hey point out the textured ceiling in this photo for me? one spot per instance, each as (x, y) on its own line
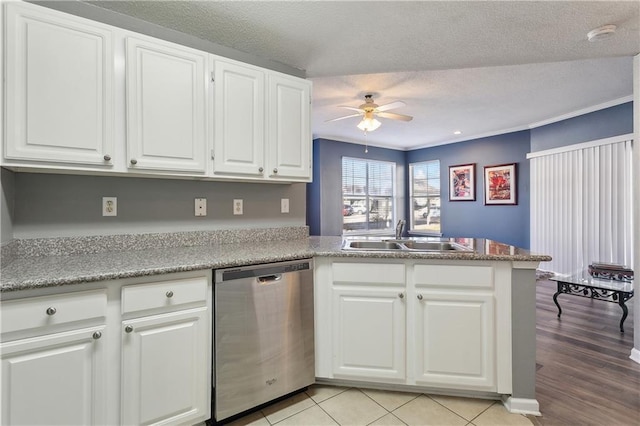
(475, 66)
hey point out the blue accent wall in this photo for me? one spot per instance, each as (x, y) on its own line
(324, 194)
(602, 124)
(504, 223)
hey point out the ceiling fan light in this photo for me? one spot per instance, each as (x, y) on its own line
(369, 124)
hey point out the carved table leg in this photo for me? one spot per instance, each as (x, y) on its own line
(555, 300)
(625, 311)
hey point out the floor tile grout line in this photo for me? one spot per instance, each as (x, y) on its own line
(483, 411)
(376, 402)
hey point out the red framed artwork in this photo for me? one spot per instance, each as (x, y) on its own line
(500, 184)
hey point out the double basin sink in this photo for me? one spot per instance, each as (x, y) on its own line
(409, 244)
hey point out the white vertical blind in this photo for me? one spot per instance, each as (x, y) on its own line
(581, 206)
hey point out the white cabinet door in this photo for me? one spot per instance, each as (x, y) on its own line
(454, 339)
(369, 333)
(58, 379)
(59, 87)
(166, 106)
(165, 368)
(289, 142)
(239, 119)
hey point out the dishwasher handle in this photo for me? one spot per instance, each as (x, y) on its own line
(267, 279)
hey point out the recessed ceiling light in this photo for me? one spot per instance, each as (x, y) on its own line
(601, 33)
(457, 132)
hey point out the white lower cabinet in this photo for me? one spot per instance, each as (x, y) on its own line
(369, 332)
(454, 339)
(132, 352)
(53, 354)
(164, 365)
(433, 325)
(57, 379)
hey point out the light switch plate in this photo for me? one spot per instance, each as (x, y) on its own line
(284, 205)
(237, 207)
(201, 207)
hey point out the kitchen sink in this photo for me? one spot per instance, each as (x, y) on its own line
(432, 246)
(372, 245)
(407, 245)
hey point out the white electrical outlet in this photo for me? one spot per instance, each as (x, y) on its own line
(109, 206)
(284, 205)
(201, 206)
(237, 207)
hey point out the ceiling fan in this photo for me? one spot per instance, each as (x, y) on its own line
(369, 110)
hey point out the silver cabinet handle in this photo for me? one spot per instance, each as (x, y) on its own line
(169, 294)
(261, 170)
(275, 171)
(419, 297)
(107, 157)
(97, 335)
(401, 295)
(128, 329)
(51, 311)
(134, 161)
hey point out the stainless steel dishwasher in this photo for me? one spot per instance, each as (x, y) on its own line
(264, 334)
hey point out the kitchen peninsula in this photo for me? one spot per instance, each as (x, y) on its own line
(458, 322)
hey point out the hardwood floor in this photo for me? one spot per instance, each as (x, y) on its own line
(585, 376)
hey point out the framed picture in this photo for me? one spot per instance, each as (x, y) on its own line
(500, 184)
(462, 182)
(494, 247)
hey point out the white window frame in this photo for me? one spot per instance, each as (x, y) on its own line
(412, 196)
(393, 197)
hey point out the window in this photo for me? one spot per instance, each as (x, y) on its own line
(368, 188)
(424, 187)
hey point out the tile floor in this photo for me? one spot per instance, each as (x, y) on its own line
(332, 405)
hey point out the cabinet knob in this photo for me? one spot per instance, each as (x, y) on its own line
(134, 161)
(275, 171)
(419, 297)
(97, 335)
(401, 295)
(51, 311)
(261, 170)
(128, 329)
(169, 294)
(107, 157)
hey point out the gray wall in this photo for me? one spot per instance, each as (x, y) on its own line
(7, 195)
(602, 124)
(52, 205)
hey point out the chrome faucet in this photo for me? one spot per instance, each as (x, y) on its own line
(400, 228)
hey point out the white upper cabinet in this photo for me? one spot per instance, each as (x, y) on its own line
(239, 111)
(261, 123)
(289, 110)
(166, 106)
(89, 97)
(59, 87)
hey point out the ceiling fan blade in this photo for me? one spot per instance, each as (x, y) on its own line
(342, 118)
(394, 116)
(349, 107)
(392, 105)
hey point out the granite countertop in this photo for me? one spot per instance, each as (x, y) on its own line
(28, 272)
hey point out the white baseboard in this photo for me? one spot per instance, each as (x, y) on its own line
(522, 406)
(635, 355)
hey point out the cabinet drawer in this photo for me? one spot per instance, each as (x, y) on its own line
(458, 276)
(44, 311)
(369, 273)
(164, 294)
